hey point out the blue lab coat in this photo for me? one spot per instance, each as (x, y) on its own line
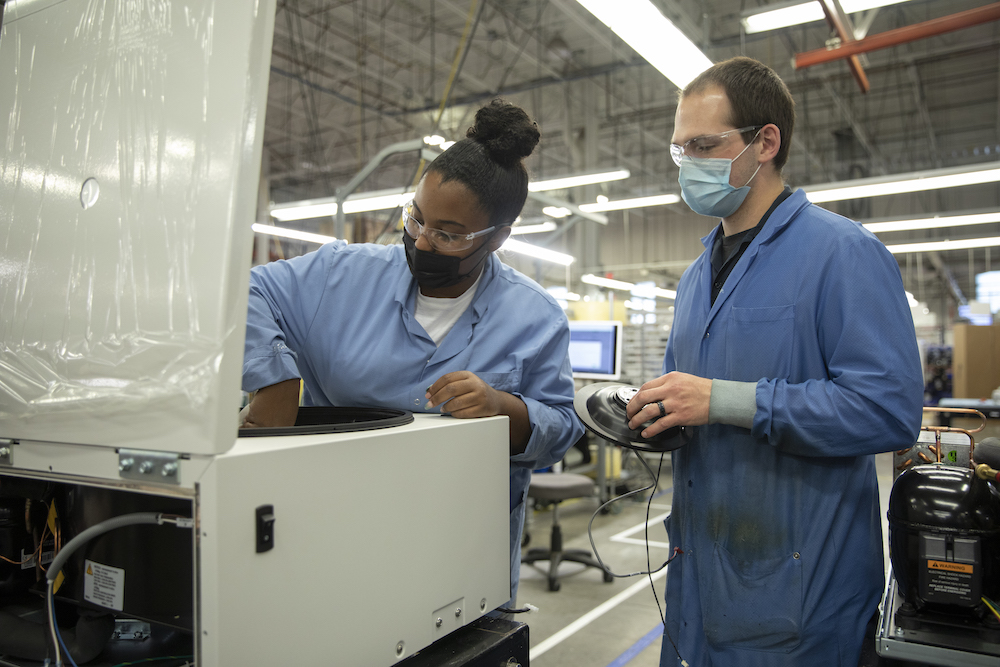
(342, 319)
(780, 525)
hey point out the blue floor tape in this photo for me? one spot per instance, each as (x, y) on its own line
(637, 648)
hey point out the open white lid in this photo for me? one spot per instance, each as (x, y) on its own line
(128, 182)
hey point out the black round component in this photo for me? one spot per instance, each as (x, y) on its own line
(601, 406)
(313, 420)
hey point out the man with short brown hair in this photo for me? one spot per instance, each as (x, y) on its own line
(792, 361)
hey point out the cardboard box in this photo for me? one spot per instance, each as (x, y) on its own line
(975, 361)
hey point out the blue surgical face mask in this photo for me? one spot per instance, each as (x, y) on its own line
(705, 185)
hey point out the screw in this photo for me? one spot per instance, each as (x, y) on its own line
(4, 452)
(125, 465)
(169, 469)
(439, 622)
(458, 612)
(146, 467)
(399, 648)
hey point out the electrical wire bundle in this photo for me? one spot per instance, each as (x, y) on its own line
(54, 570)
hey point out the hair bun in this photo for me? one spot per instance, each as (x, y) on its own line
(505, 131)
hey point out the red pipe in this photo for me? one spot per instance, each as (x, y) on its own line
(899, 36)
(853, 63)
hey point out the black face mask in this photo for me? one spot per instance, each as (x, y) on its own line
(434, 271)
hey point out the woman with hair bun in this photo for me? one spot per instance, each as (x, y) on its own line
(438, 323)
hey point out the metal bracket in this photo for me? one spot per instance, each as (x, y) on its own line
(129, 629)
(146, 466)
(7, 451)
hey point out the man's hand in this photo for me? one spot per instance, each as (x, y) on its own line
(685, 399)
(276, 405)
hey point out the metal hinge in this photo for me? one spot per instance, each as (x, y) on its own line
(7, 451)
(147, 466)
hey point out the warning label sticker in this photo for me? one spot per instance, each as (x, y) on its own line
(949, 582)
(104, 585)
(946, 565)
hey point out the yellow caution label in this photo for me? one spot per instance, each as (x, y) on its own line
(951, 567)
(90, 570)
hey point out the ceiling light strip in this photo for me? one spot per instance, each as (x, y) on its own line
(937, 222)
(578, 180)
(939, 246)
(652, 36)
(904, 183)
(537, 252)
(296, 234)
(639, 202)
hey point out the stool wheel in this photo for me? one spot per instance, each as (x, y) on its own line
(554, 585)
(608, 578)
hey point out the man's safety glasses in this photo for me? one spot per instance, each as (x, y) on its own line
(704, 147)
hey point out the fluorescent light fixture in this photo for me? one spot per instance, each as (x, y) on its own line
(578, 180)
(639, 202)
(601, 199)
(785, 15)
(556, 211)
(534, 229)
(650, 292)
(642, 291)
(591, 279)
(434, 140)
(561, 293)
(937, 222)
(937, 246)
(920, 181)
(445, 145)
(538, 253)
(318, 208)
(653, 36)
(296, 234)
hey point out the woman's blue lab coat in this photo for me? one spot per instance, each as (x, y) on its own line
(780, 525)
(342, 319)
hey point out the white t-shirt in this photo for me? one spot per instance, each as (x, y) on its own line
(438, 315)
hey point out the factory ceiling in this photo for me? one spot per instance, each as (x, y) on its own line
(350, 78)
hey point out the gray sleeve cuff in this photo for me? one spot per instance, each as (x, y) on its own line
(733, 403)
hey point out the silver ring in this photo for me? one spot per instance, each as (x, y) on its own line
(659, 404)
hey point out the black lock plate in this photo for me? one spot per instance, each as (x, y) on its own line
(265, 528)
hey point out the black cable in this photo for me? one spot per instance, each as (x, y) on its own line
(649, 571)
(590, 527)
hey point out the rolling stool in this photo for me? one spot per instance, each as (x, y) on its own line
(557, 487)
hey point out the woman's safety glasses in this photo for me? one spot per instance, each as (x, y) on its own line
(439, 239)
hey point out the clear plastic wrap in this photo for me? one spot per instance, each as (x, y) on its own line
(132, 135)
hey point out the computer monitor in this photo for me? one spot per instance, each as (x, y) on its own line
(595, 349)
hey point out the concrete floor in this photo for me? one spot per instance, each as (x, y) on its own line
(589, 623)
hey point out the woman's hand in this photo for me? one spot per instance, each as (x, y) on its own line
(464, 395)
(276, 405)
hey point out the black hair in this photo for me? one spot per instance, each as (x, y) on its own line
(489, 161)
